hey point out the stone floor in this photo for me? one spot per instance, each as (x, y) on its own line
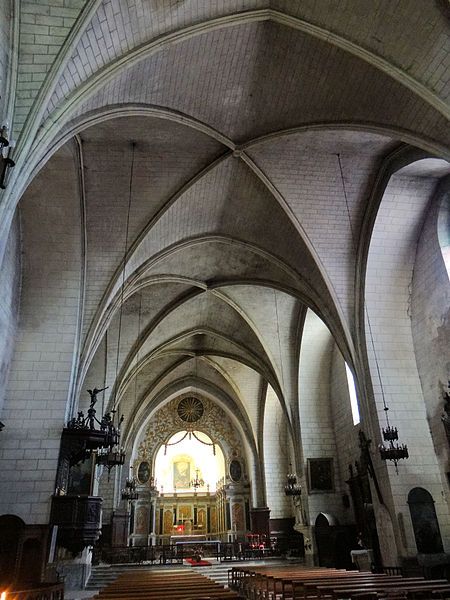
(80, 595)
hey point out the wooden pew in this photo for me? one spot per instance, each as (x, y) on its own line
(256, 582)
(339, 592)
(172, 585)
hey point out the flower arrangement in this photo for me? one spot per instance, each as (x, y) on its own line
(198, 553)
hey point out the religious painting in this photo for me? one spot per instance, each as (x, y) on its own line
(181, 474)
(235, 470)
(320, 475)
(143, 473)
(81, 478)
(168, 522)
(238, 516)
(141, 520)
(185, 512)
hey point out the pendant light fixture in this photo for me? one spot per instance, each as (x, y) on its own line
(292, 488)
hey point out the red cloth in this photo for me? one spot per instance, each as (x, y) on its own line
(194, 563)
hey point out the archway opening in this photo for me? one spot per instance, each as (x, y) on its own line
(185, 456)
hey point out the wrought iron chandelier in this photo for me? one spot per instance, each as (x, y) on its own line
(197, 482)
(129, 492)
(393, 452)
(292, 488)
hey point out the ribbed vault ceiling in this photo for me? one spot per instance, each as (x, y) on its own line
(235, 163)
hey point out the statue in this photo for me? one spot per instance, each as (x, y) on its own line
(93, 394)
(91, 410)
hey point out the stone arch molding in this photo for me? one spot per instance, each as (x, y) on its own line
(167, 422)
(108, 73)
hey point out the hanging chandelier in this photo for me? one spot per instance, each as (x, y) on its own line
(197, 482)
(393, 452)
(292, 488)
(129, 492)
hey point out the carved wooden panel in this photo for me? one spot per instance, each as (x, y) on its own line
(213, 519)
(168, 522)
(237, 516)
(185, 512)
(141, 520)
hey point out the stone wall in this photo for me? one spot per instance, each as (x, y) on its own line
(10, 278)
(277, 448)
(390, 268)
(40, 375)
(316, 418)
(346, 433)
(5, 20)
(430, 320)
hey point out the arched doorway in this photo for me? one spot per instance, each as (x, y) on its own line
(11, 528)
(334, 542)
(425, 524)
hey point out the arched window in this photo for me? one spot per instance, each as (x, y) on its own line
(178, 463)
(353, 396)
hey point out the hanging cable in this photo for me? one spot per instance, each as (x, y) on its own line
(137, 353)
(125, 256)
(390, 434)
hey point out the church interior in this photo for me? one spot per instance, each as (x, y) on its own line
(224, 285)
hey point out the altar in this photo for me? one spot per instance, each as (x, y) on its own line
(192, 539)
(191, 543)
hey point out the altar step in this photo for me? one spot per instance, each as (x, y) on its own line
(218, 572)
(103, 575)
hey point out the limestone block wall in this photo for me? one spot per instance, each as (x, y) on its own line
(43, 30)
(10, 277)
(390, 267)
(277, 452)
(346, 433)
(36, 397)
(430, 321)
(316, 418)
(5, 16)
(106, 486)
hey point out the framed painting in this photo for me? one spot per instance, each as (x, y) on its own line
(81, 477)
(143, 473)
(320, 475)
(235, 470)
